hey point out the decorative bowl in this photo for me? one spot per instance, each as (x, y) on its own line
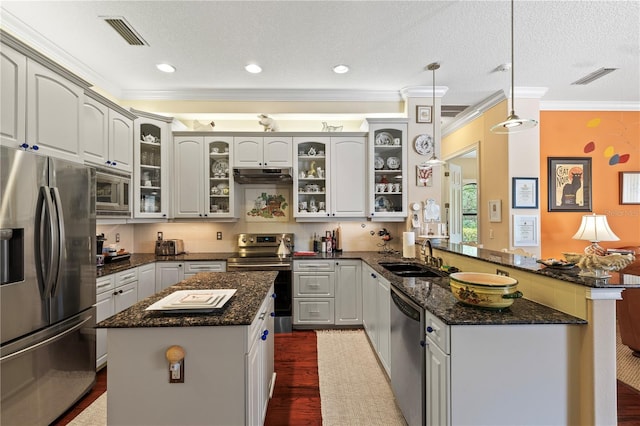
(483, 290)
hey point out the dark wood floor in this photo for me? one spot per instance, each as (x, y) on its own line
(296, 397)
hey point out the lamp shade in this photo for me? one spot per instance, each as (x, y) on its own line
(595, 228)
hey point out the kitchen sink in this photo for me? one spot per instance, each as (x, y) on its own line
(409, 269)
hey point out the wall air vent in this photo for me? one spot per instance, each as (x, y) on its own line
(125, 30)
(594, 76)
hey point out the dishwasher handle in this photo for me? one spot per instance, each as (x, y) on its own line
(405, 307)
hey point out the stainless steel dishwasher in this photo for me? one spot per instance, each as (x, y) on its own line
(408, 357)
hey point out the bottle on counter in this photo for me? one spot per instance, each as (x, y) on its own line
(338, 239)
(323, 245)
(329, 242)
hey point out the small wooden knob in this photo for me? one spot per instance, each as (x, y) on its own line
(175, 354)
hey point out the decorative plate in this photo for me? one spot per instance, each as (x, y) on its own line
(383, 204)
(193, 301)
(393, 162)
(424, 145)
(220, 167)
(378, 163)
(384, 138)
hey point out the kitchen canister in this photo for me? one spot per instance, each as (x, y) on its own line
(409, 245)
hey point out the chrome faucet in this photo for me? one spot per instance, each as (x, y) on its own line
(427, 241)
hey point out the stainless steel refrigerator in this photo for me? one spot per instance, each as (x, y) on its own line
(47, 286)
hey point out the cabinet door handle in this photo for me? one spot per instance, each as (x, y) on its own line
(429, 329)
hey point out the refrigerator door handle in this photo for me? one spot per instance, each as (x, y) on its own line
(47, 259)
(46, 341)
(58, 222)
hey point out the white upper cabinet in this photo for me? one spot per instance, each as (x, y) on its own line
(107, 134)
(13, 74)
(311, 177)
(54, 113)
(258, 152)
(388, 169)
(348, 176)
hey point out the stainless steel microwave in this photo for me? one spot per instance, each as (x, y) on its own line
(113, 195)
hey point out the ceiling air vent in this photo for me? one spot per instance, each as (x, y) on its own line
(125, 30)
(452, 110)
(594, 76)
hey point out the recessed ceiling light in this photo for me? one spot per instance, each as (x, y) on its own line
(341, 69)
(166, 68)
(253, 68)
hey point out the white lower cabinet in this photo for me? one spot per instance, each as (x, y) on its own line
(146, 281)
(313, 292)
(192, 268)
(348, 293)
(438, 371)
(376, 314)
(168, 274)
(105, 308)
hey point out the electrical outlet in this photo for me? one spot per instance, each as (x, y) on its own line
(159, 235)
(117, 238)
(501, 272)
(219, 235)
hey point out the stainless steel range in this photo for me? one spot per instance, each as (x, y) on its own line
(263, 252)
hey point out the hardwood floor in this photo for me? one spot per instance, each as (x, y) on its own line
(296, 397)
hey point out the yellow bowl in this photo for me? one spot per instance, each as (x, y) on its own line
(484, 290)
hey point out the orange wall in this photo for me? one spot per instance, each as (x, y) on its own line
(566, 134)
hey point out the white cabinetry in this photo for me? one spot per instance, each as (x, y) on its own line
(204, 186)
(107, 133)
(258, 152)
(126, 291)
(152, 165)
(105, 308)
(388, 169)
(313, 292)
(192, 268)
(334, 181)
(54, 113)
(146, 281)
(348, 293)
(377, 314)
(13, 75)
(168, 274)
(438, 371)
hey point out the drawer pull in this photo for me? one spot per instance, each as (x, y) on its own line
(429, 329)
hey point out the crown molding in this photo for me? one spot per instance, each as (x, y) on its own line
(423, 92)
(530, 92)
(588, 106)
(295, 95)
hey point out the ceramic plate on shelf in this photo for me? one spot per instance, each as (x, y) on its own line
(383, 204)
(384, 138)
(220, 167)
(424, 145)
(393, 162)
(378, 163)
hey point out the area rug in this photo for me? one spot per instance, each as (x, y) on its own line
(353, 388)
(94, 415)
(627, 365)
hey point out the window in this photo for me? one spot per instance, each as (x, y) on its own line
(470, 212)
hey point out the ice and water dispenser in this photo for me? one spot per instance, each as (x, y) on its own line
(11, 255)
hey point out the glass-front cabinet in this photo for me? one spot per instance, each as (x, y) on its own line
(152, 139)
(388, 169)
(311, 170)
(220, 188)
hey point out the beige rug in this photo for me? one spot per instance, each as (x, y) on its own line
(353, 388)
(93, 415)
(627, 365)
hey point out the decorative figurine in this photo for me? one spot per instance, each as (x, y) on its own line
(269, 124)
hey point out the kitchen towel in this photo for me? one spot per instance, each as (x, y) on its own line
(409, 244)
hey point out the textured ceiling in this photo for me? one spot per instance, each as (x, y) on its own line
(387, 44)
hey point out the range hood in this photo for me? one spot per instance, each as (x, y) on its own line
(278, 176)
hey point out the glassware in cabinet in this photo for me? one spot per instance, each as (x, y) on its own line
(220, 181)
(311, 177)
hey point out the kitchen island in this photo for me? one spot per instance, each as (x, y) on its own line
(228, 362)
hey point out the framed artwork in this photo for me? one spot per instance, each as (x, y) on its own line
(525, 230)
(495, 211)
(569, 184)
(424, 175)
(267, 204)
(524, 193)
(629, 187)
(423, 114)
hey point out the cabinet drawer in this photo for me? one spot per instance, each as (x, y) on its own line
(106, 283)
(313, 311)
(320, 284)
(195, 267)
(313, 265)
(438, 332)
(259, 324)
(126, 277)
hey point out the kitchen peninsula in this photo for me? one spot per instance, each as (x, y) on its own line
(228, 362)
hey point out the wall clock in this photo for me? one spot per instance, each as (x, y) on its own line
(424, 145)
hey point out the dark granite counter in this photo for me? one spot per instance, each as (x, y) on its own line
(252, 288)
(529, 264)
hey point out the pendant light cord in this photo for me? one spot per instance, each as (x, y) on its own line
(513, 65)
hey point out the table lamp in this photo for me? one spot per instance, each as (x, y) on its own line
(594, 228)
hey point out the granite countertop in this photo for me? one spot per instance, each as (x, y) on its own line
(139, 259)
(241, 309)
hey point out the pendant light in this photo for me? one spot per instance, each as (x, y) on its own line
(513, 123)
(433, 161)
